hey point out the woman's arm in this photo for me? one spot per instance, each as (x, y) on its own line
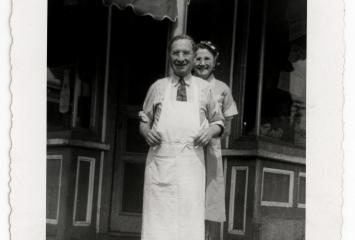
(227, 126)
(215, 118)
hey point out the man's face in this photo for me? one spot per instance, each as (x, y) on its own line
(204, 63)
(181, 57)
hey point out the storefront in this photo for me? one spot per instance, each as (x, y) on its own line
(101, 61)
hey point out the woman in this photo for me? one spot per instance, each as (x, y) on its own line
(205, 64)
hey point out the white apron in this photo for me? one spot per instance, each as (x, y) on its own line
(174, 184)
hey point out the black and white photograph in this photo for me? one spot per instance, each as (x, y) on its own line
(176, 120)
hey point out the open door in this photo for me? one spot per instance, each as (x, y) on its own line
(138, 58)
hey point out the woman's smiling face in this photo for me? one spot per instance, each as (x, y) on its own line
(205, 63)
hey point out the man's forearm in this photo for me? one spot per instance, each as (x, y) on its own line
(143, 128)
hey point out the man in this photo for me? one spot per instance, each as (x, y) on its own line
(180, 116)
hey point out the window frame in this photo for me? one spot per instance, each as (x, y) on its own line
(60, 158)
(288, 204)
(233, 177)
(90, 197)
(299, 204)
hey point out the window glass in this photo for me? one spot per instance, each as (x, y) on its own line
(240, 197)
(276, 187)
(248, 42)
(68, 86)
(53, 187)
(85, 80)
(76, 46)
(302, 189)
(83, 188)
(133, 187)
(60, 85)
(283, 115)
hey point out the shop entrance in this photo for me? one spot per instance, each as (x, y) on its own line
(138, 58)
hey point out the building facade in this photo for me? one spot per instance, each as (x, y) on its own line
(101, 61)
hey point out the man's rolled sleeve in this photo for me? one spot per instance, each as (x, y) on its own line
(143, 117)
(147, 114)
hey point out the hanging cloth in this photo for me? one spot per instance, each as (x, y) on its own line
(157, 9)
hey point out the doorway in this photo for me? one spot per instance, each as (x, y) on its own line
(138, 58)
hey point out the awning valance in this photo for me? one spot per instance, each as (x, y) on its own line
(158, 9)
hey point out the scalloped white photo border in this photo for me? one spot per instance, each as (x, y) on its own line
(324, 119)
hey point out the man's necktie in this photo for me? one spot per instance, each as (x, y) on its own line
(181, 91)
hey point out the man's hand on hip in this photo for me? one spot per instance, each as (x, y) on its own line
(205, 135)
(151, 136)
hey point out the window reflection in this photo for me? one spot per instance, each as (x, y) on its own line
(59, 97)
(283, 115)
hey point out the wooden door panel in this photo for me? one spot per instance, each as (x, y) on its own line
(126, 223)
(127, 201)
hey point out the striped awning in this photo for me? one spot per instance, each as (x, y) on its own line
(157, 9)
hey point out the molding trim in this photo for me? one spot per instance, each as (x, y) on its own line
(264, 154)
(234, 173)
(54, 142)
(89, 206)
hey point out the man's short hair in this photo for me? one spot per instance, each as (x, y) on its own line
(181, 37)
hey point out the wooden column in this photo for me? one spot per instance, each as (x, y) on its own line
(179, 26)
(104, 116)
(261, 71)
